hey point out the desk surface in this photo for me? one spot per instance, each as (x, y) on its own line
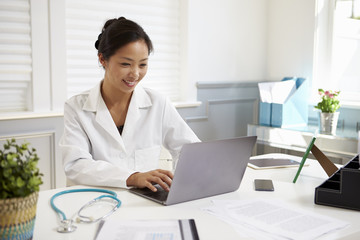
(301, 195)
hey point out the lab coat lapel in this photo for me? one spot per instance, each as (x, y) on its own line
(103, 117)
(95, 103)
(140, 99)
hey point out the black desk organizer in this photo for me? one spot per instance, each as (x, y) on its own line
(342, 189)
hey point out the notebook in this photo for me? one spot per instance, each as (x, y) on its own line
(205, 169)
(274, 160)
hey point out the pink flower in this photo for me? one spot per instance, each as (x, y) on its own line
(329, 101)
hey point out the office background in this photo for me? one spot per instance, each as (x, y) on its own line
(230, 47)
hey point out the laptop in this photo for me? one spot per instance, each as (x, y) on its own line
(205, 169)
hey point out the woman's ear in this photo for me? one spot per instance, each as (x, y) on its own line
(102, 60)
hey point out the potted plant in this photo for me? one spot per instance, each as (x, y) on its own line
(328, 106)
(20, 182)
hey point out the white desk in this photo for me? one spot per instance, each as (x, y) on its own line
(209, 227)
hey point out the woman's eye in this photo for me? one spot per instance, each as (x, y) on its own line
(143, 65)
(125, 64)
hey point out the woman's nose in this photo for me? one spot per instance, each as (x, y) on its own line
(134, 73)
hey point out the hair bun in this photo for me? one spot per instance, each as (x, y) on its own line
(107, 24)
(118, 32)
(98, 40)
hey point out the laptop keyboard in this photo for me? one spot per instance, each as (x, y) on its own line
(160, 194)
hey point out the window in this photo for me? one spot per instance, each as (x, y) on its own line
(15, 56)
(338, 49)
(47, 49)
(346, 49)
(160, 19)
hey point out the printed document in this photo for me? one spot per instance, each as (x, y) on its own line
(273, 219)
(276, 92)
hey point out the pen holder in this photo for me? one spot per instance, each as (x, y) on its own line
(342, 189)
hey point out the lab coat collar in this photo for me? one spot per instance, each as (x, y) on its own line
(93, 99)
(141, 98)
(95, 103)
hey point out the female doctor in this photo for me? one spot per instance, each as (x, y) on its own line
(114, 132)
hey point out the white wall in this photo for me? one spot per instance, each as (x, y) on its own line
(227, 40)
(290, 41)
(243, 40)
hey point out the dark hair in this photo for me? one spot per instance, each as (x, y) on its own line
(116, 33)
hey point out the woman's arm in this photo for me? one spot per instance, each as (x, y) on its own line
(78, 163)
(176, 132)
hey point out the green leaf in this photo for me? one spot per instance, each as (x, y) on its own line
(7, 172)
(19, 182)
(19, 174)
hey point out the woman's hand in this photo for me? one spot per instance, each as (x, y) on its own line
(147, 179)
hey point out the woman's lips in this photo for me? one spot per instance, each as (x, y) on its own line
(129, 83)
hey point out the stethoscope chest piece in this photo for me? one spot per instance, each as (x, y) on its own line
(67, 226)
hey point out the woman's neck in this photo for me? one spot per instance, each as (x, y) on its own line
(117, 103)
(113, 96)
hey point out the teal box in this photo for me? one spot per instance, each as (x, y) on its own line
(294, 111)
(265, 113)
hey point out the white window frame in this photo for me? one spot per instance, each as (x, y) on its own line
(48, 84)
(47, 90)
(323, 49)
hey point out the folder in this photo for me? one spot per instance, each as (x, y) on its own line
(265, 114)
(294, 111)
(284, 103)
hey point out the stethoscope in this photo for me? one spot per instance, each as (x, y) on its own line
(67, 225)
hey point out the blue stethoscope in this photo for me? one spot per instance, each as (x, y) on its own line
(67, 224)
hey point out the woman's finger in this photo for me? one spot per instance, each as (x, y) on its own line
(150, 186)
(158, 180)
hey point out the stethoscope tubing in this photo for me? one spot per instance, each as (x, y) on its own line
(111, 194)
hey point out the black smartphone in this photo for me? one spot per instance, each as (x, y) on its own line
(263, 185)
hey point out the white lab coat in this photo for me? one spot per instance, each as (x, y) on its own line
(93, 151)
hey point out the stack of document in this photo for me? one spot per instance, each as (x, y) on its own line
(276, 92)
(273, 219)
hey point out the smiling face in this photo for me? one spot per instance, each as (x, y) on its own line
(125, 69)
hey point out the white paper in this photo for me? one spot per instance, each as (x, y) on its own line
(274, 219)
(276, 92)
(277, 156)
(113, 229)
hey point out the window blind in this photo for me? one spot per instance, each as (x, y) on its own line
(15, 55)
(160, 20)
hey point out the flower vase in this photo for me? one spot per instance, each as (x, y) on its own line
(328, 122)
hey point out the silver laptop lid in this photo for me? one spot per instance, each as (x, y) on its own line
(210, 168)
